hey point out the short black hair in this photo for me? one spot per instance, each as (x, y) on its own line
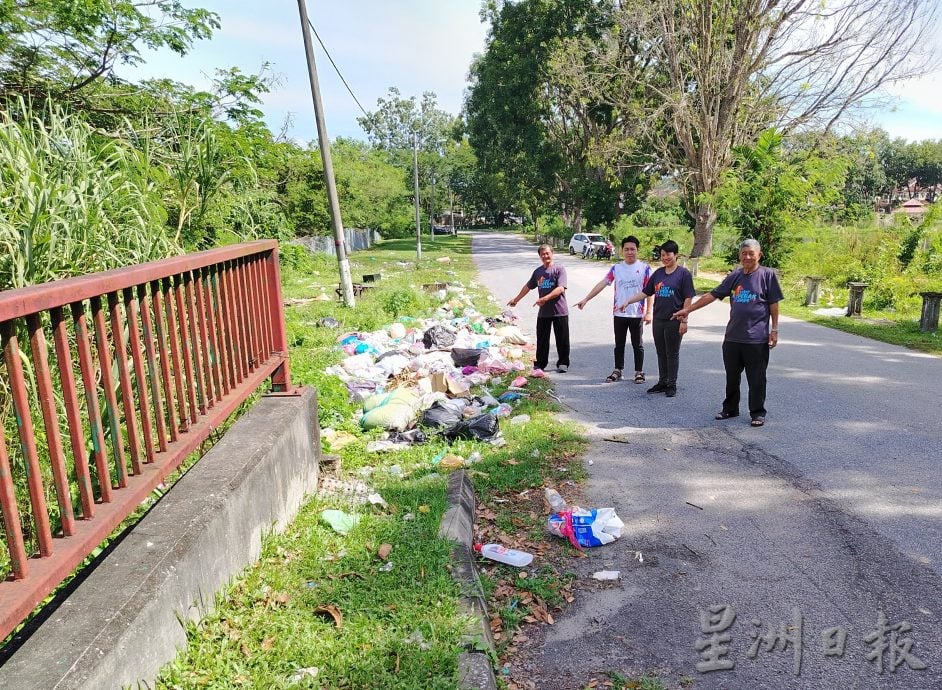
(671, 247)
(631, 238)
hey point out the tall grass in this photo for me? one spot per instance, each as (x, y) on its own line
(74, 200)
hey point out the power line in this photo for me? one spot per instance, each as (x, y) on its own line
(336, 69)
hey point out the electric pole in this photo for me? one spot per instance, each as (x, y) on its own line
(346, 283)
(415, 183)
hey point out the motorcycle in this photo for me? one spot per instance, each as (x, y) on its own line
(596, 252)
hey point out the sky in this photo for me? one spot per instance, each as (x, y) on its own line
(414, 45)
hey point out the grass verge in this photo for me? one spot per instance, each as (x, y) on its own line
(886, 327)
(377, 608)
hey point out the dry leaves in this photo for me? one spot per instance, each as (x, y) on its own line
(332, 611)
(384, 550)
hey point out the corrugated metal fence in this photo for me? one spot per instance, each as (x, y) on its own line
(356, 239)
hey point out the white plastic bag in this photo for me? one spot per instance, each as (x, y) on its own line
(583, 527)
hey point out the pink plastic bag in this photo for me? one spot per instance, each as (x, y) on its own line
(519, 382)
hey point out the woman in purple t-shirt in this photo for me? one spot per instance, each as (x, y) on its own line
(672, 287)
(754, 294)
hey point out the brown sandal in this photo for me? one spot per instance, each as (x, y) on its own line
(614, 376)
(757, 421)
(639, 377)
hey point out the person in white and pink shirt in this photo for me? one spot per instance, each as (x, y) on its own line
(628, 277)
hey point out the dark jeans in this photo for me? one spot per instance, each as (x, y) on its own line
(560, 327)
(667, 339)
(754, 358)
(622, 326)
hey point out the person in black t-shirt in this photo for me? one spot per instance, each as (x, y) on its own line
(754, 294)
(549, 280)
(672, 287)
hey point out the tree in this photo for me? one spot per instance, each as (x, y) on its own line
(399, 123)
(59, 48)
(731, 69)
(396, 120)
(770, 188)
(552, 143)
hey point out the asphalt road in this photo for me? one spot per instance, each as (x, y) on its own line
(824, 518)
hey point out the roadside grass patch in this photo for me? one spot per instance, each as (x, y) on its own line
(276, 625)
(884, 326)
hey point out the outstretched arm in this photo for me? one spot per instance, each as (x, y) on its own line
(553, 294)
(637, 297)
(523, 291)
(701, 302)
(592, 293)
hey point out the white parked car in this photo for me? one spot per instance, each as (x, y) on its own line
(581, 242)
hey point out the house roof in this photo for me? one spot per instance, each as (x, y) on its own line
(913, 207)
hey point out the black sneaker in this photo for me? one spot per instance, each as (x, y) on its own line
(657, 388)
(670, 392)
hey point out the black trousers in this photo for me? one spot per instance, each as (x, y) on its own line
(667, 339)
(560, 327)
(624, 325)
(754, 359)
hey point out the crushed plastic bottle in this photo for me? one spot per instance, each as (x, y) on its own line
(556, 502)
(502, 554)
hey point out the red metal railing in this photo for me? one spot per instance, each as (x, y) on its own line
(165, 351)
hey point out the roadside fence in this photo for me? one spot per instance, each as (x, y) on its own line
(355, 240)
(147, 361)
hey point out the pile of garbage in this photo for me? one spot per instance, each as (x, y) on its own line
(417, 377)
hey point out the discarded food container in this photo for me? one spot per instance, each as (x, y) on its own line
(502, 554)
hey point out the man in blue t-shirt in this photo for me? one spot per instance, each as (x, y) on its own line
(549, 280)
(754, 294)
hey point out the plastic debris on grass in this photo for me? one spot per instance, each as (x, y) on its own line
(340, 521)
(425, 371)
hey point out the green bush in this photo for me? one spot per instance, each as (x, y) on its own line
(401, 300)
(659, 212)
(554, 227)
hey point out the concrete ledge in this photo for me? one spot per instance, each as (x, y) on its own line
(475, 671)
(121, 623)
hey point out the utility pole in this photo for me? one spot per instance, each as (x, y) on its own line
(415, 183)
(431, 211)
(346, 283)
(451, 209)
